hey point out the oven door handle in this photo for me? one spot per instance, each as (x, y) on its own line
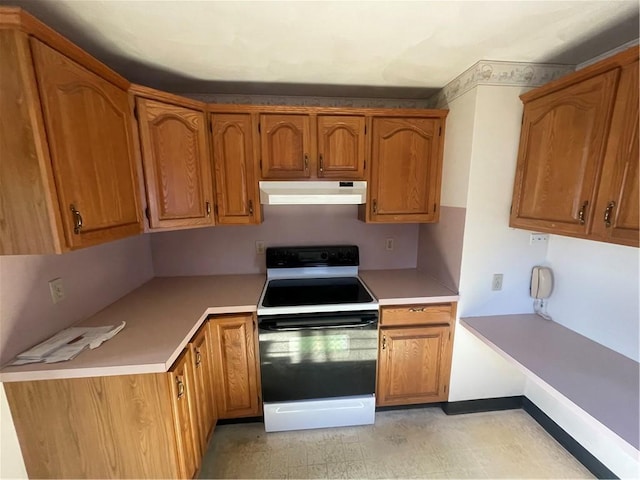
(294, 328)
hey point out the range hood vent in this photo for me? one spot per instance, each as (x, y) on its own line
(313, 193)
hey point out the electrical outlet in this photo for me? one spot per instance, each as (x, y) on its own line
(260, 247)
(496, 283)
(535, 238)
(388, 244)
(56, 289)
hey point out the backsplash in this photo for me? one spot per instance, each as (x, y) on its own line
(230, 250)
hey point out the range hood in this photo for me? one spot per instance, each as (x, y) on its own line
(313, 193)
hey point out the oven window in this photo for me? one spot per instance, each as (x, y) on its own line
(318, 363)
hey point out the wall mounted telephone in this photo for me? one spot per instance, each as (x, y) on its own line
(541, 288)
(541, 282)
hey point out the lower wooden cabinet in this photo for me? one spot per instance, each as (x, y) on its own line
(414, 361)
(202, 360)
(236, 366)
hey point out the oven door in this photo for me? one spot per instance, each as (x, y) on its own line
(318, 356)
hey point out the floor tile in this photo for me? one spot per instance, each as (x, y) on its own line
(413, 443)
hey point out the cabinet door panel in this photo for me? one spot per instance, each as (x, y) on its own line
(202, 358)
(236, 370)
(406, 170)
(616, 215)
(412, 365)
(176, 163)
(341, 147)
(185, 415)
(90, 136)
(285, 146)
(561, 151)
(233, 154)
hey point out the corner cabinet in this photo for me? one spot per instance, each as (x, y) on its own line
(414, 361)
(236, 366)
(577, 171)
(68, 166)
(406, 170)
(176, 160)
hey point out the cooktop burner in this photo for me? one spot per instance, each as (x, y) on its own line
(315, 291)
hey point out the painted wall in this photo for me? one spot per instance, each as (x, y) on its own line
(93, 278)
(596, 291)
(225, 250)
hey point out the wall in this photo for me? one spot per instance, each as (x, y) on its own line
(596, 291)
(225, 250)
(93, 278)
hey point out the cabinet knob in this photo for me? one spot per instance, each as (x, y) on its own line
(607, 213)
(198, 358)
(375, 207)
(208, 206)
(250, 207)
(306, 161)
(384, 342)
(77, 219)
(582, 211)
(416, 309)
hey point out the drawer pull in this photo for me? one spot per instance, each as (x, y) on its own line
(198, 358)
(180, 385)
(416, 309)
(384, 342)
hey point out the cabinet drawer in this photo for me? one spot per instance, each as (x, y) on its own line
(416, 314)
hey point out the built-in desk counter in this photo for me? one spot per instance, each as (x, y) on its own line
(600, 381)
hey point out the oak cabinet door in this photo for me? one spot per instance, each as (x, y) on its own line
(561, 152)
(236, 370)
(616, 216)
(185, 415)
(406, 170)
(201, 356)
(176, 162)
(285, 146)
(233, 160)
(89, 130)
(412, 366)
(341, 147)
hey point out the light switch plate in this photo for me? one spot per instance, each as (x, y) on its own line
(260, 247)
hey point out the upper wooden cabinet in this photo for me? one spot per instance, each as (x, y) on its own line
(341, 146)
(406, 170)
(176, 160)
(577, 171)
(237, 198)
(285, 143)
(69, 177)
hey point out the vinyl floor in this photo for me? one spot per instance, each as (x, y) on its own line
(412, 443)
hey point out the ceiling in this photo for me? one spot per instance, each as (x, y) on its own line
(384, 48)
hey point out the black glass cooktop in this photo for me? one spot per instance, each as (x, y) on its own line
(315, 291)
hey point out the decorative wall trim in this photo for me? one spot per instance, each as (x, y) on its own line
(307, 101)
(496, 73)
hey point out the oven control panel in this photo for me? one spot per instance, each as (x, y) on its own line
(330, 256)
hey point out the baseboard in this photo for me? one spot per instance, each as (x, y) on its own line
(483, 405)
(231, 421)
(591, 463)
(408, 407)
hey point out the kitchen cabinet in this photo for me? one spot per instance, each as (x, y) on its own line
(202, 360)
(285, 146)
(577, 162)
(414, 361)
(69, 177)
(406, 170)
(237, 197)
(120, 426)
(236, 366)
(341, 147)
(185, 414)
(176, 160)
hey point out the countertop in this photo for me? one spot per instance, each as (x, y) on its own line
(163, 314)
(602, 382)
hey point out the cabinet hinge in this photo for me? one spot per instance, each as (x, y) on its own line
(449, 335)
(215, 209)
(510, 208)
(259, 127)
(260, 164)
(365, 165)
(210, 125)
(365, 128)
(135, 111)
(439, 131)
(435, 206)
(147, 213)
(445, 388)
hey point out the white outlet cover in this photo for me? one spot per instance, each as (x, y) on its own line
(57, 290)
